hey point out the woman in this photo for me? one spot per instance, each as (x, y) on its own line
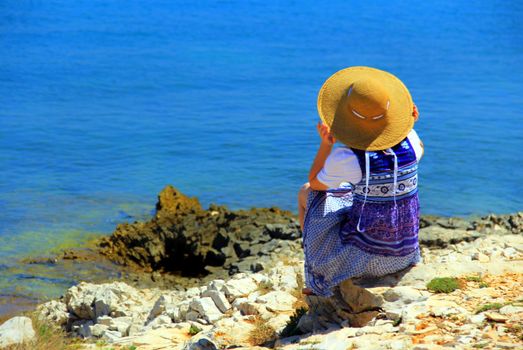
(360, 211)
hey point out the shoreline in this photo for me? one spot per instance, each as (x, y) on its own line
(238, 247)
(182, 252)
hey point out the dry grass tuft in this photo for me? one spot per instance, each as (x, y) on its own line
(298, 294)
(265, 287)
(262, 333)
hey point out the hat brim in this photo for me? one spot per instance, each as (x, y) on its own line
(362, 134)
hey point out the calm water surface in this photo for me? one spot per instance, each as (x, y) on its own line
(102, 103)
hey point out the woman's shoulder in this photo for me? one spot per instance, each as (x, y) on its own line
(342, 152)
(416, 143)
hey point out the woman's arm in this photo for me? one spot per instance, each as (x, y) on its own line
(327, 141)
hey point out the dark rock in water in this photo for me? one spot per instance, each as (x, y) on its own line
(182, 237)
(173, 202)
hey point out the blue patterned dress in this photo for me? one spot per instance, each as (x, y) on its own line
(369, 229)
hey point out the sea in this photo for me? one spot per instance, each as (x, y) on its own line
(103, 103)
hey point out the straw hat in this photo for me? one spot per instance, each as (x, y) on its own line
(366, 108)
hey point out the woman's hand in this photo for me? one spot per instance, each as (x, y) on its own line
(325, 135)
(415, 113)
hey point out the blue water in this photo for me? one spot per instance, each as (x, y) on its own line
(102, 103)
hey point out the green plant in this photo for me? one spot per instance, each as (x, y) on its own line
(473, 278)
(101, 343)
(491, 306)
(443, 284)
(193, 330)
(292, 325)
(483, 284)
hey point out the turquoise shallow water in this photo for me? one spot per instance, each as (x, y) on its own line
(103, 103)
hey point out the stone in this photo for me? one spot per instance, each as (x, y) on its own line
(496, 317)
(160, 321)
(277, 301)
(105, 320)
(445, 308)
(201, 344)
(105, 302)
(504, 345)
(403, 294)
(280, 231)
(362, 318)
(510, 309)
(480, 257)
(98, 330)
(412, 311)
(206, 308)
(237, 288)
(171, 201)
(477, 319)
(80, 299)
(216, 285)
(434, 236)
(122, 324)
(510, 252)
(112, 336)
(359, 299)
(283, 278)
(192, 292)
(192, 316)
(219, 299)
(246, 307)
(54, 311)
(16, 330)
(278, 322)
(162, 303)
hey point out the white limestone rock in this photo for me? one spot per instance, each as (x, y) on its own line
(219, 299)
(164, 302)
(121, 324)
(98, 330)
(237, 288)
(159, 322)
(192, 292)
(510, 310)
(216, 285)
(112, 336)
(54, 311)
(80, 299)
(16, 330)
(283, 278)
(206, 308)
(404, 295)
(104, 320)
(277, 301)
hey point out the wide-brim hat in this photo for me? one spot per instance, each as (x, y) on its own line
(366, 108)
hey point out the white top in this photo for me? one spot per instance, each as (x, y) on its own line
(342, 164)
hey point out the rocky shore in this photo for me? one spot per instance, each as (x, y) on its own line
(246, 274)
